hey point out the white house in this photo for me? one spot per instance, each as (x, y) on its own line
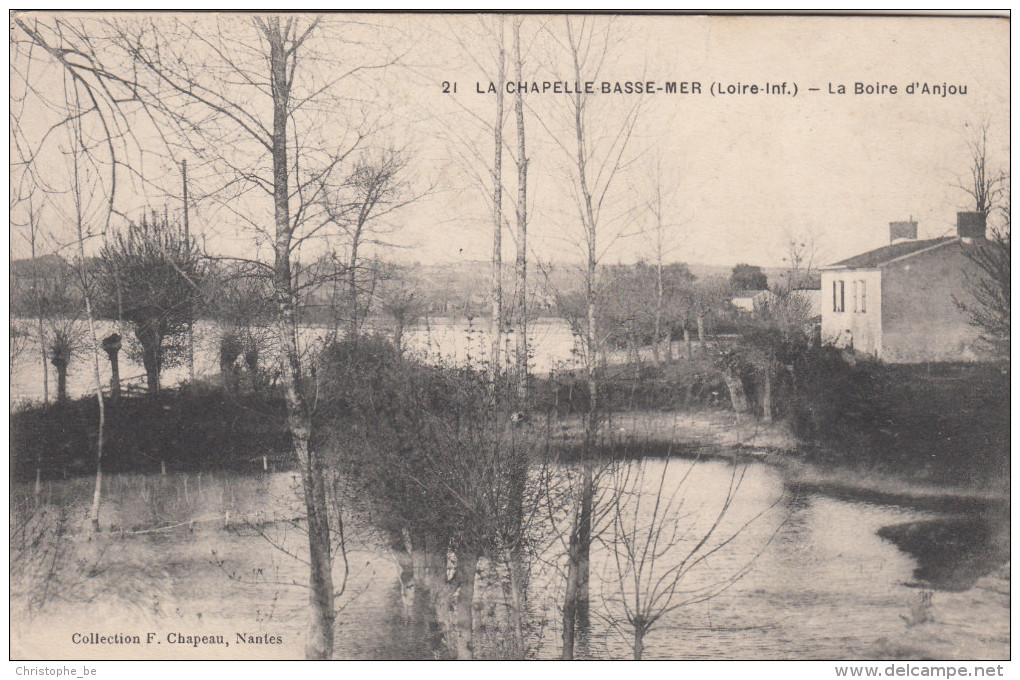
(901, 302)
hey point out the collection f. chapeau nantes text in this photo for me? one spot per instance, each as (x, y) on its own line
(174, 638)
(713, 88)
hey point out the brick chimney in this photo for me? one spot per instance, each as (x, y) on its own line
(970, 224)
(899, 231)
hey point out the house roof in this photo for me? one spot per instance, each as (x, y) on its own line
(886, 254)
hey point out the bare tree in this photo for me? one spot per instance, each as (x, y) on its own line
(596, 160)
(521, 332)
(485, 171)
(151, 275)
(39, 301)
(660, 543)
(370, 193)
(988, 302)
(801, 257)
(404, 305)
(92, 109)
(496, 323)
(80, 194)
(664, 233)
(985, 184)
(266, 116)
(65, 340)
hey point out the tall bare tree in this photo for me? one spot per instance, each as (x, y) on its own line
(985, 184)
(370, 193)
(496, 323)
(596, 160)
(521, 331)
(256, 99)
(664, 233)
(80, 192)
(34, 234)
(662, 542)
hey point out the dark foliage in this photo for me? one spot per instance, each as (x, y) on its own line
(988, 304)
(748, 277)
(944, 423)
(681, 385)
(439, 462)
(196, 429)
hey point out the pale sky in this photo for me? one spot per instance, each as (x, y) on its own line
(741, 173)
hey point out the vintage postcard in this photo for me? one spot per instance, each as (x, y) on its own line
(481, 336)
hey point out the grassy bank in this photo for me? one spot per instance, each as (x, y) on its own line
(920, 429)
(937, 424)
(911, 432)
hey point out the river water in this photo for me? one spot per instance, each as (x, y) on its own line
(454, 341)
(818, 581)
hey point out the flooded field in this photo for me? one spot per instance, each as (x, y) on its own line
(448, 340)
(818, 579)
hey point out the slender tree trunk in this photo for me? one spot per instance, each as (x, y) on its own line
(61, 367)
(467, 564)
(39, 307)
(97, 492)
(398, 337)
(738, 397)
(576, 602)
(657, 323)
(522, 227)
(187, 239)
(45, 362)
(584, 557)
(319, 640)
(766, 399)
(639, 643)
(518, 600)
(496, 324)
(687, 342)
(701, 333)
(570, 598)
(114, 377)
(352, 286)
(152, 347)
(112, 346)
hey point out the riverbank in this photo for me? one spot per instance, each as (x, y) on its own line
(714, 432)
(962, 553)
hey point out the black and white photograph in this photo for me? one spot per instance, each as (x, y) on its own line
(490, 336)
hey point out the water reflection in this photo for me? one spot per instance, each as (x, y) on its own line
(836, 578)
(828, 586)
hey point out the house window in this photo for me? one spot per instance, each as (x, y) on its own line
(855, 295)
(838, 296)
(864, 296)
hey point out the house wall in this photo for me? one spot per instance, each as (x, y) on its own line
(921, 320)
(861, 328)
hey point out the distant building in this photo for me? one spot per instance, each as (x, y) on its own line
(899, 303)
(748, 300)
(745, 299)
